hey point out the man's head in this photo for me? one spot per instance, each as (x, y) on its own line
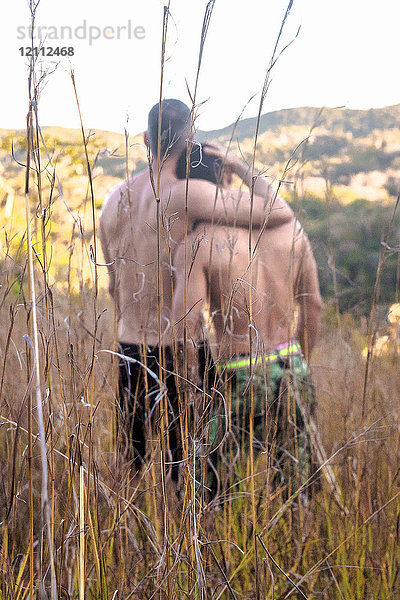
(175, 127)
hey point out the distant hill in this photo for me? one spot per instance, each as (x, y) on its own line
(355, 151)
(359, 123)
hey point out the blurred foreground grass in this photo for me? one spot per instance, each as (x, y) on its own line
(141, 538)
(121, 535)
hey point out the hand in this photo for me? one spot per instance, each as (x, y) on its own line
(228, 159)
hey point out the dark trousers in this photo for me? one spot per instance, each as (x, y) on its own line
(140, 405)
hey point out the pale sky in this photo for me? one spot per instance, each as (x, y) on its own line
(345, 55)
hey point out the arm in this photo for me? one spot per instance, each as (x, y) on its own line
(189, 315)
(229, 207)
(267, 205)
(309, 298)
(240, 168)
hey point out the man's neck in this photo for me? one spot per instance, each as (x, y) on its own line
(168, 166)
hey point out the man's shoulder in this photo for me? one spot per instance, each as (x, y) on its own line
(119, 192)
(109, 209)
(199, 195)
(113, 195)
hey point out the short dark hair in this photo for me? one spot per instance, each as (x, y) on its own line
(201, 165)
(175, 120)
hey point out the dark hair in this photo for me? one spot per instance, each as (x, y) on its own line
(175, 120)
(201, 165)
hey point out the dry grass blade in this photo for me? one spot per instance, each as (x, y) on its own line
(296, 587)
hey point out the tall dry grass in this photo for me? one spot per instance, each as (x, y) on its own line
(78, 522)
(113, 525)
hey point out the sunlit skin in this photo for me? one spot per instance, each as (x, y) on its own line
(283, 278)
(129, 241)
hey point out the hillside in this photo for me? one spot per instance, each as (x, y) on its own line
(359, 123)
(358, 151)
(351, 158)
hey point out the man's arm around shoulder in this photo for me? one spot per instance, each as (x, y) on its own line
(206, 202)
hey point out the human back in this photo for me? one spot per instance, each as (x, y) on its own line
(131, 213)
(256, 297)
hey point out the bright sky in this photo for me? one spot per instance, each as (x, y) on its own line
(346, 54)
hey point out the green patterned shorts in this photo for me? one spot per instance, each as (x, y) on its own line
(283, 399)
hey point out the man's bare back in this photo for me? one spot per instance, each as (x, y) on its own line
(260, 299)
(130, 219)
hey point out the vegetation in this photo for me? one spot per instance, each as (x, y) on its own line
(140, 538)
(75, 520)
(347, 238)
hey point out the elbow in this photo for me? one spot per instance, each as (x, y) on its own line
(279, 213)
(309, 323)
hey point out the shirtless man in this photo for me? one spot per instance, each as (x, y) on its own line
(254, 338)
(140, 266)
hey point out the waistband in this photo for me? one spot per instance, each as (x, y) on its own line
(285, 350)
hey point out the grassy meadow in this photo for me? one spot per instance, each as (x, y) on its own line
(133, 537)
(76, 520)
